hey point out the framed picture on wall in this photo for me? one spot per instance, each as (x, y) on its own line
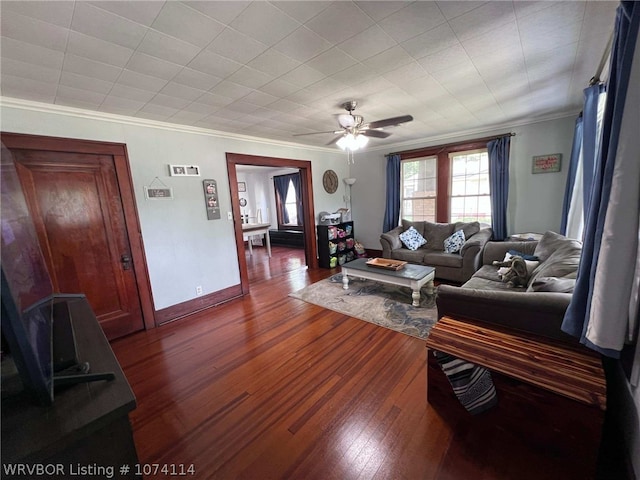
(546, 163)
(184, 170)
(242, 187)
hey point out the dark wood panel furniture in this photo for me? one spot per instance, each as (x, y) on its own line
(551, 397)
(88, 423)
(287, 238)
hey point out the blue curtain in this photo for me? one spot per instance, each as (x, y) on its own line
(498, 150)
(578, 321)
(392, 209)
(281, 184)
(571, 175)
(590, 140)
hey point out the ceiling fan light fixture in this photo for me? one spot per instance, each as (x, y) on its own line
(361, 141)
(352, 142)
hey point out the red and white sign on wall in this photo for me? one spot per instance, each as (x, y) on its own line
(547, 163)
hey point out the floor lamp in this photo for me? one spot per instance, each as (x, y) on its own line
(347, 193)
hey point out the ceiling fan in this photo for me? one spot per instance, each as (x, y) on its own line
(355, 131)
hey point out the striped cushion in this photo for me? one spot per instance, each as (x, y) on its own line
(471, 383)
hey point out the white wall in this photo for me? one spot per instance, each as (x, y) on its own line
(535, 201)
(183, 248)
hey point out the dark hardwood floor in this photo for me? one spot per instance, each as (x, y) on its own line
(268, 386)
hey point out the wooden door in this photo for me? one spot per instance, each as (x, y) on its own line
(74, 200)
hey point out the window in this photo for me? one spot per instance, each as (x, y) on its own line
(470, 194)
(446, 183)
(418, 189)
(288, 201)
(290, 204)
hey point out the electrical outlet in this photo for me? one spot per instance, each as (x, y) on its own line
(199, 290)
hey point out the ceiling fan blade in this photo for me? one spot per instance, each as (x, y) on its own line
(375, 133)
(335, 132)
(333, 142)
(387, 122)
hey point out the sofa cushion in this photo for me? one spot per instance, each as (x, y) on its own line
(469, 229)
(406, 255)
(412, 239)
(551, 242)
(442, 259)
(487, 272)
(479, 283)
(454, 243)
(435, 233)
(563, 262)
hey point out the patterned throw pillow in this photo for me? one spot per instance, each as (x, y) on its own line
(454, 243)
(412, 239)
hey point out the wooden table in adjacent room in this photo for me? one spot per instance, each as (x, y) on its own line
(252, 229)
(412, 276)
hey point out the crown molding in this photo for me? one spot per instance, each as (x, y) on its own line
(483, 131)
(17, 103)
(123, 119)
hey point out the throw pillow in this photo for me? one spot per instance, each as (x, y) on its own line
(561, 263)
(553, 284)
(454, 243)
(419, 226)
(412, 239)
(551, 242)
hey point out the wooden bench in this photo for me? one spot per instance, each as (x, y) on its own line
(551, 396)
(573, 373)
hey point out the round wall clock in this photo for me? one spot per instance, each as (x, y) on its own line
(243, 202)
(330, 181)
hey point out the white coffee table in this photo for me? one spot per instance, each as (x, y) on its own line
(412, 276)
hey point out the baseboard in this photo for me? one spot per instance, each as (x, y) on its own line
(175, 312)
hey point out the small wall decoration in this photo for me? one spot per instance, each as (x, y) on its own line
(184, 170)
(547, 163)
(242, 187)
(157, 190)
(212, 204)
(155, 193)
(330, 181)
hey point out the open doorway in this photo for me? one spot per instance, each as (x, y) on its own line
(306, 211)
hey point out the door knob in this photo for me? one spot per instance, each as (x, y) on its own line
(126, 261)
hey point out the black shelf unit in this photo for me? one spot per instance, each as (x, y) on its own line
(336, 244)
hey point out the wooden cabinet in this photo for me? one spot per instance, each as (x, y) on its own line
(336, 244)
(87, 426)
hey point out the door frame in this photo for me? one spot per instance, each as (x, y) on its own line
(125, 183)
(308, 214)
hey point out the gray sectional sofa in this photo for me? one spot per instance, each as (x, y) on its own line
(456, 267)
(538, 308)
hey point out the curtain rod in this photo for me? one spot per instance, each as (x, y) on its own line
(473, 140)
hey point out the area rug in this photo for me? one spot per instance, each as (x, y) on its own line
(386, 305)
